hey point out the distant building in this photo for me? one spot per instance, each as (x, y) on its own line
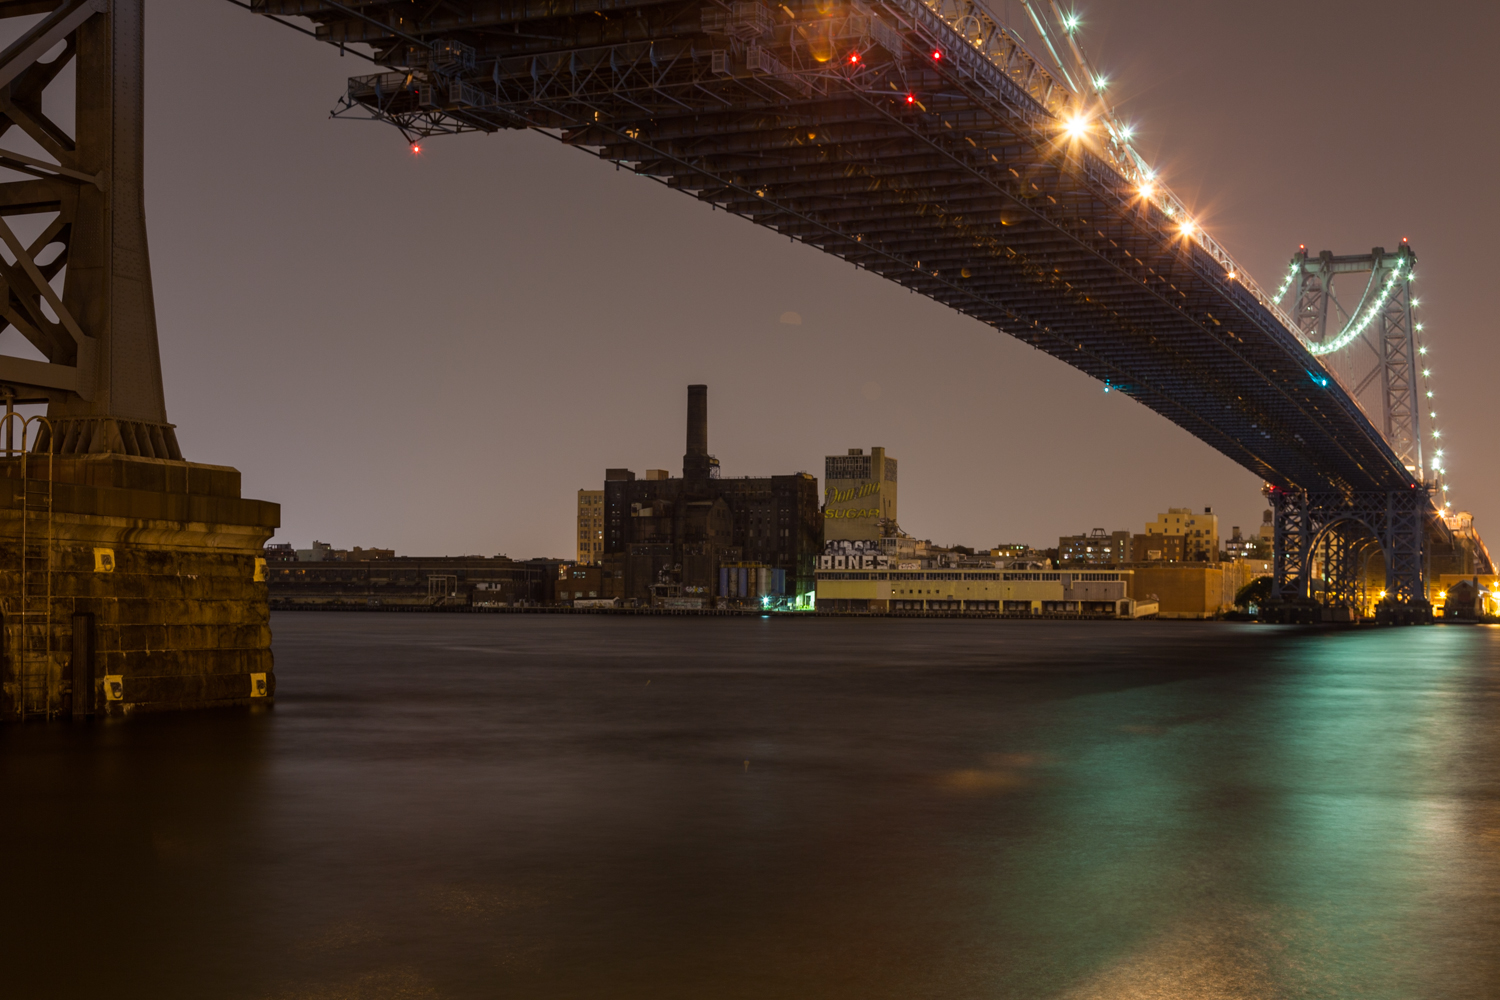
(1097, 548)
(590, 526)
(280, 552)
(669, 538)
(413, 582)
(1195, 589)
(870, 565)
(1018, 550)
(859, 495)
(992, 590)
(579, 581)
(323, 552)
(1245, 547)
(319, 552)
(1156, 548)
(1199, 534)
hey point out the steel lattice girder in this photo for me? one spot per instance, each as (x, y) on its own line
(965, 193)
(1399, 520)
(102, 375)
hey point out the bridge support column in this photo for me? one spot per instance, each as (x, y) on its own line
(1290, 546)
(1333, 530)
(99, 513)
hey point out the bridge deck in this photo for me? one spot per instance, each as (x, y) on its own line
(933, 159)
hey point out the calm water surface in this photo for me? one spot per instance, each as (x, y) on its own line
(548, 806)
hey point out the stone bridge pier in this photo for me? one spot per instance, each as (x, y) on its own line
(1337, 533)
(129, 577)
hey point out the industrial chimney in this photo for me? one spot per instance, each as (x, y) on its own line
(697, 463)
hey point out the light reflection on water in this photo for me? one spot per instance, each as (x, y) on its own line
(539, 806)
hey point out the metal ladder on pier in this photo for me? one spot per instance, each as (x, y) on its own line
(37, 694)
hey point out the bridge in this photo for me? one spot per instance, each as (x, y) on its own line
(978, 163)
(975, 162)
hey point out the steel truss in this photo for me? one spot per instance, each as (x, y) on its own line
(921, 141)
(1390, 366)
(1322, 541)
(76, 213)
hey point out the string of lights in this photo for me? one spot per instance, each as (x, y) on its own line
(1151, 190)
(1361, 322)
(1439, 461)
(1436, 472)
(1291, 276)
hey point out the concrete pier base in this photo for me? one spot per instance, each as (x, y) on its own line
(160, 561)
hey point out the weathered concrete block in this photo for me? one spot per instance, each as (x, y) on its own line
(167, 557)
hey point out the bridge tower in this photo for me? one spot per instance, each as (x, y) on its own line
(154, 595)
(1371, 350)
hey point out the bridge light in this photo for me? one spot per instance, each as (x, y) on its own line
(1071, 22)
(1189, 227)
(1429, 393)
(1100, 82)
(416, 149)
(1147, 189)
(1426, 372)
(1421, 350)
(1076, 127)
(1233, 275)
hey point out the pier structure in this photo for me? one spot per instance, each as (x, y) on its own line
(130, 578)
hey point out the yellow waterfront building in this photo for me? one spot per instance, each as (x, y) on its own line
(979, 590)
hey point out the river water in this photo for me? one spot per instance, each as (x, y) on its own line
(557, 806)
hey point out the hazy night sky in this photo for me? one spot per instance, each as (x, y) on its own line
(433, 353)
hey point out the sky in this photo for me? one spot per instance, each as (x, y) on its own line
(433, 353)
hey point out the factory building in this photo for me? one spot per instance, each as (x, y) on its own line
(390, 581)
(859, 496)
(671, 542)
(590, 526)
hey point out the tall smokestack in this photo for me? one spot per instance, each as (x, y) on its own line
(695, 463)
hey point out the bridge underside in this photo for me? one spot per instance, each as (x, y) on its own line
(882, 135)
(926, 143)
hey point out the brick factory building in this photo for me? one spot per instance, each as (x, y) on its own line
(672, 541)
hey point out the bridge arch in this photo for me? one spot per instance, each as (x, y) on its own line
(1342, 553)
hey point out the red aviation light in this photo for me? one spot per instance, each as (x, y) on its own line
(911, 98)
(416, 149)
(937, 55)
(854, 58)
